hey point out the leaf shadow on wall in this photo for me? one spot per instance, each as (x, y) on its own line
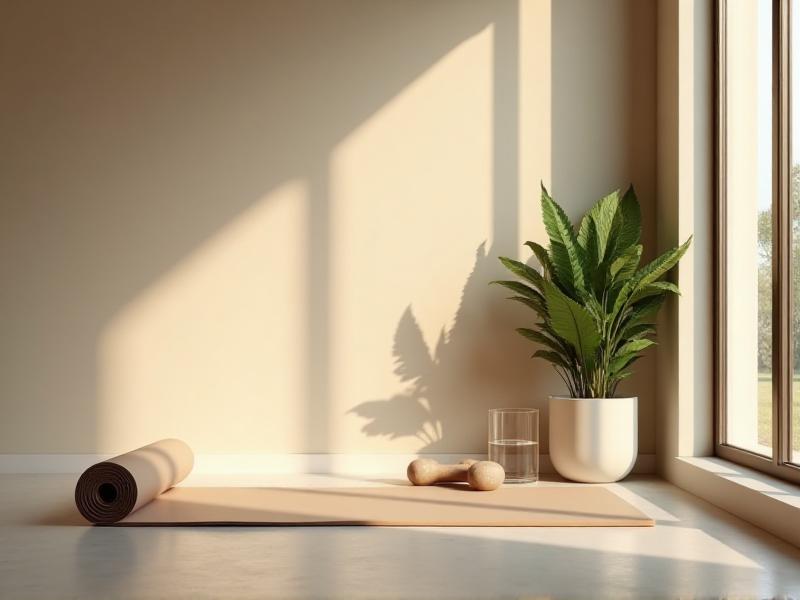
(474, 365)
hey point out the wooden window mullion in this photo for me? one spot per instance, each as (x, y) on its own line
(782, 300)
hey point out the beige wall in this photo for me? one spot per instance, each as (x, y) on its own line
(685, 202)
(269, 226)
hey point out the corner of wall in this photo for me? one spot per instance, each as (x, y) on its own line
(685, 188)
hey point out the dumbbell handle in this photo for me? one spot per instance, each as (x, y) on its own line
(429, 472)
(452, 473)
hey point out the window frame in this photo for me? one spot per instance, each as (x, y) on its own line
(779, 464)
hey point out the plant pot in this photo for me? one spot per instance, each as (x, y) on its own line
(593, 440)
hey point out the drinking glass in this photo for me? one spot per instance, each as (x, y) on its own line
(514, 442)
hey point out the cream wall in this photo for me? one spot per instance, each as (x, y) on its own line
(269, 226)
(685, 386)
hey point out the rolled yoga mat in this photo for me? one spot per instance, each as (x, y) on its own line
(111, 490)
(134, 490)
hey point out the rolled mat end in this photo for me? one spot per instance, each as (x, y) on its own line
(106, 493)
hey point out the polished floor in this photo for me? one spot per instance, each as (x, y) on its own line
(694, 551)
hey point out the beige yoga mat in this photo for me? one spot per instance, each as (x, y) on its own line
(139, 498)
(113, 489)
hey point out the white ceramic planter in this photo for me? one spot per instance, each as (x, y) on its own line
(593, 440)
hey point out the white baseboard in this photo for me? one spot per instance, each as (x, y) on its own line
(251, 464)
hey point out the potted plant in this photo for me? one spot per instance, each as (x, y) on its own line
(597, 308)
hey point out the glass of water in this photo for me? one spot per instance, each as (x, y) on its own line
(514, 442)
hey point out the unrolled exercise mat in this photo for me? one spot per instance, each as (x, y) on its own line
(133, 489)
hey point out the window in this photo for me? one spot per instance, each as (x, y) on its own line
(758, 241)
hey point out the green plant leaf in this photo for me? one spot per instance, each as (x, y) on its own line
(553, 357)
(654, 270)
(625, 230)
(541, 255)
(568, 257)
(540, 338)
(537, 304)
(519, 288)
(601, 218)
(645, 308)
(623, 375)
(649, 273)
(573, 323)
(622, 269)
(636, 346)
(588, 239)
(624, 266)
(591, 304)
(657, 287)
(637, 330)
(524, 271)
(621, 361)
(631, 226)
(566, 348)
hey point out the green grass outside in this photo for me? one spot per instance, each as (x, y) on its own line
(765, 411)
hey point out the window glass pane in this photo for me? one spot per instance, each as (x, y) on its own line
(794, 182)
(748, 148)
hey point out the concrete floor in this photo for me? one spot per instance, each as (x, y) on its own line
(695, 550)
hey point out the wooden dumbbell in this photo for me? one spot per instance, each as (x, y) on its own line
(481, 475)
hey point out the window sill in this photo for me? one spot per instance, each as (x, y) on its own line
(763, 500)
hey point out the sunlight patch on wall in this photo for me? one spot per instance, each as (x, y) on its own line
(411, 260)
(212, 352)
(535, 118)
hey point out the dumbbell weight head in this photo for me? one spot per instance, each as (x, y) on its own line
(485, 475)
(424, 471)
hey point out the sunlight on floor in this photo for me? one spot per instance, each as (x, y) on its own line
(672, 542)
